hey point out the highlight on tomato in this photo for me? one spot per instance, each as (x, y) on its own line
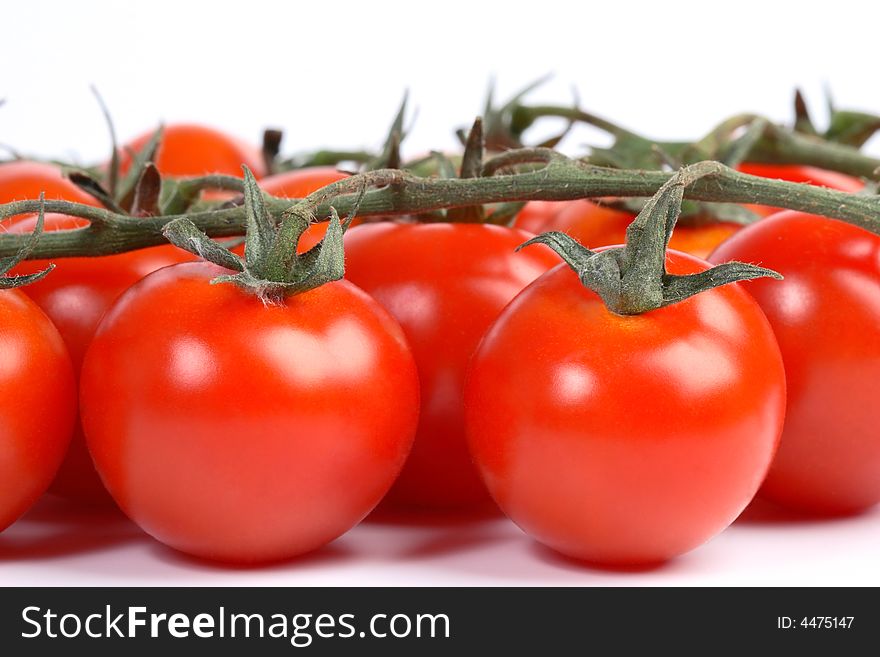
(826, 316)
(75, 297)
(622, 410)
(38, 404)
(273, 411)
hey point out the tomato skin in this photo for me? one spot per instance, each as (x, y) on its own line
(624, 440)
(298, 184)
(799, 174)
(190, 149)
(251, 432)
(826, 316)
(22, 180)
(535, 215)
(75, 296)
(37, 404)
(595, 225)
(445, 284)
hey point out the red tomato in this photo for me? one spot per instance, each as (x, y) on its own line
(799, 174)
(445, 284)
(75, 296)
(826, 315)
(301, 182)
(625, 439)
(37, 404)
(196, 150)
(595, 225)
(298, 184)
(535, 215)
(22, 180)
(237, 431)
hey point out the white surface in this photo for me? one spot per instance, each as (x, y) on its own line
(60, 545)
(332, 74)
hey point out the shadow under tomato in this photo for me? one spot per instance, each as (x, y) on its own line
(764, 512)
(330, 554)
(552, 557)
(53, 510)
(57, 528)
(452, 540)
(430, 518)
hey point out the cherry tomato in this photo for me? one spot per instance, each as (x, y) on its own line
(237, 431)
(535, 215)
(22, 180)
(298, 184)
(37, 403)
(75, 296)
(595, 225)
(799, 174)
(196, 150)
(625, 439)
(826, 315)
(445, 284)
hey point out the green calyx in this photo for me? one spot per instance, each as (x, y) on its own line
(271, 269)
(847, 127)
(7, 264)
(741, 138)
(632, 279)
(471, 167)
(143, 192)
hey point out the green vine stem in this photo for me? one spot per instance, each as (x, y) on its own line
(776, 145)
(550, 176)
(11, 281)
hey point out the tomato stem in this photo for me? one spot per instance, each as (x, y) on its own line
(272, 268)
(549, 176)
(632, 279)
(836, 150)
(6, 264)
(471, 167)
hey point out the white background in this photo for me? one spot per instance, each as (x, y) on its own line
(332, 74)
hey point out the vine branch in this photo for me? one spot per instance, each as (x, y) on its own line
(558, 178)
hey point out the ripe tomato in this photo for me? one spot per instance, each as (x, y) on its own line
(196, 150)
(250, 432)
(22, 180)
(298, 184)
(75, 296)
(37, 403)
(535, 215)
(799, 174)
(595, 225)
(625, 439)
(445, 284)
(826, 315)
